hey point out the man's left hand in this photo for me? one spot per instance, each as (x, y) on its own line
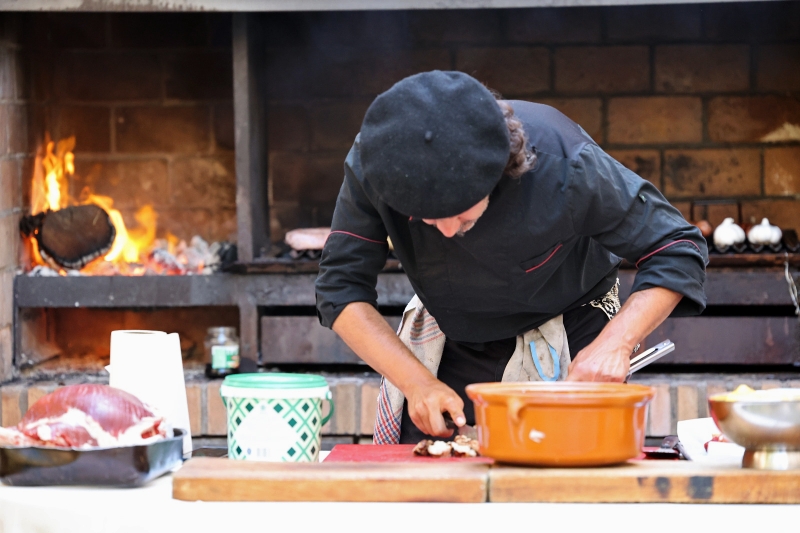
(608, 357)
(600, 362)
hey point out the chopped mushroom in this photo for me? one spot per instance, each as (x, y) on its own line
(462, 446)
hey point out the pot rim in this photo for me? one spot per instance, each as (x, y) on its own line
(562, 394)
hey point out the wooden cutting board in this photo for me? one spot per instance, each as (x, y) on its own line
(222, 479)
(644, 481)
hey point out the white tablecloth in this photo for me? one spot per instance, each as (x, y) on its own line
(151, 509)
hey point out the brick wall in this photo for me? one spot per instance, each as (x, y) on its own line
(678, 397)
(688, 96)
(149, 99)
(14, 160)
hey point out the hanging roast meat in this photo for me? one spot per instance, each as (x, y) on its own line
(71, 237)
(86, 416)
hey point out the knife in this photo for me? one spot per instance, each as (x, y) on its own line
(651, 355)
(466, 430)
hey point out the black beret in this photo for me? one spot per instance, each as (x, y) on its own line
(434, 145)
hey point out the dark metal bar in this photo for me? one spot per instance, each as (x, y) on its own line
(250, 134)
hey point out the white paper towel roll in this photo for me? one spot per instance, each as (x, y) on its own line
(148, 364)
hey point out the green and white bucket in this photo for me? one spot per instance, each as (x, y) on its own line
(275, 417)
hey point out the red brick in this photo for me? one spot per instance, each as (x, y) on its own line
(380, 70)
(223, 127)
(653, 23)
(782, 171)
(18, 139)
(554, 25)
(701, 68)
(131, 184)
(10, 184)
(346, 394)
(782, 213)
(369, 405)
(163, 129)
(455, 26)
(687, 402)
(194, 399)
(9, 237)
(7, 74)
(362, 29)
(335, 125)
(184, 223)
(217, 423)
(734, 172)
(91, 127)
(715, 213)
(778, 68)
(13, 404)
(313, 179)
(500, 68)
(609, 69)
(289, 128)
(685, 208)
(646, 163)
(654, 119)
(743, 119)
(104, 76)
(203, 182)
(4, 130)
(285, 216)
(752, 21)
(660, 421)
(587, 112)
(27, 164)
(77, 30)
(6, 356)
(6, 297)
(200, 74)
(37, 391)
(158, 30)
(224, 225)
(295, 73)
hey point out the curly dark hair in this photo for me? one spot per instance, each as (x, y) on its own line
(520, 159)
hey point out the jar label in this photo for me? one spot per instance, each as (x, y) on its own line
(224, 357)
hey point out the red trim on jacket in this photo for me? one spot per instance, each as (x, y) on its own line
(546, 260)
(358, 237)
(664, 248)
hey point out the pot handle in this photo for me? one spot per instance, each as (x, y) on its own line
(515, 407)
(329, 397)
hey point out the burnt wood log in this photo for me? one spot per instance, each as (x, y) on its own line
(71, 237)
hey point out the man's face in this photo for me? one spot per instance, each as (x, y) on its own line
(459, 224)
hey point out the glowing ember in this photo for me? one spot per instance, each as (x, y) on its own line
(133, 252)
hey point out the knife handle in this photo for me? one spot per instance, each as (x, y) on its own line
(448, 421)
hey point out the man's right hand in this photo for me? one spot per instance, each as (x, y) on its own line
(426, 403)
(368, 334)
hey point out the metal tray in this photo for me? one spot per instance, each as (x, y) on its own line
(127, 466)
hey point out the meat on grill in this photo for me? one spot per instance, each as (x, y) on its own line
(86, 416)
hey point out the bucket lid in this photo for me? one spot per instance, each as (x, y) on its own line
(274, 381)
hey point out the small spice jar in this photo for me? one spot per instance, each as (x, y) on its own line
(222, 352)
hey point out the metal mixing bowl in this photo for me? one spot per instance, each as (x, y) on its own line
(765, 423)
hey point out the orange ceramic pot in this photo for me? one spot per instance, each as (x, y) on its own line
(560, 424)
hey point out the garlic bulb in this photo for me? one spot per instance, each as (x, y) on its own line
(764, 233)
(727, 234)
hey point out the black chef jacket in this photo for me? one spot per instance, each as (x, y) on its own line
(548, 242)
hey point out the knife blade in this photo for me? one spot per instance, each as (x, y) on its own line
(466, 430)
(651, 355)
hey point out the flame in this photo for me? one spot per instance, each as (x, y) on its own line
(50, 191)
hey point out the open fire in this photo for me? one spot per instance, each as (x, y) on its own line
(133, 252)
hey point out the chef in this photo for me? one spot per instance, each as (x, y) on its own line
(506, 217)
